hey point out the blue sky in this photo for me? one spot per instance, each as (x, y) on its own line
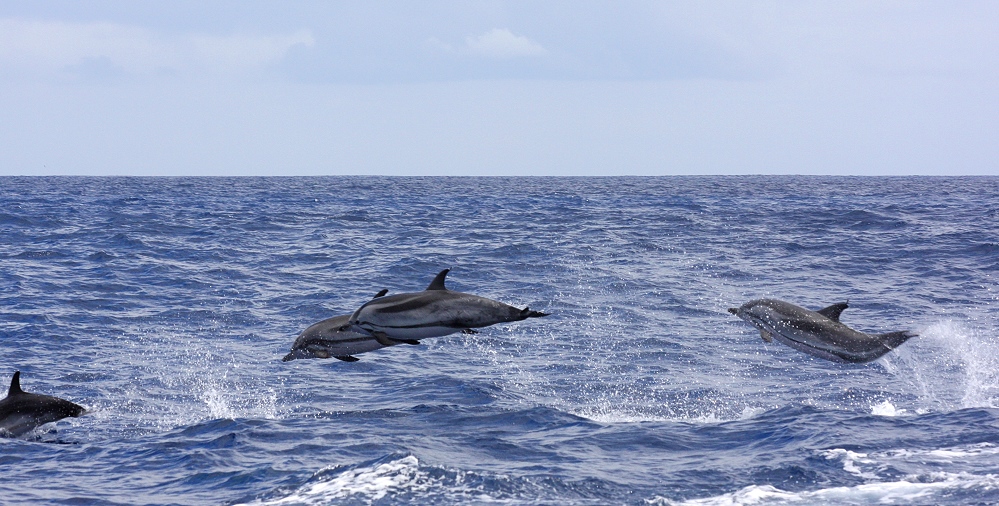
(499, 88)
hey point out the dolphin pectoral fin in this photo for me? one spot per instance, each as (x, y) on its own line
(768, 337)
(383, 339)
(469, 331)
(414, 342)
(381, 293)
(346, 358)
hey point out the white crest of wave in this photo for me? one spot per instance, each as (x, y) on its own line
(886, 408)
(850, 462)
(372, 483)
(880, 488)
(921, 489)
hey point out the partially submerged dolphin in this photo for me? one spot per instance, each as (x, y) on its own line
(20, 412)
(434, 312)
(326, 340)
(818, 333)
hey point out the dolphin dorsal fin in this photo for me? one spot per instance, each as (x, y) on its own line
(832, 312)
(438, 282)
(381, 293)
(15, 384)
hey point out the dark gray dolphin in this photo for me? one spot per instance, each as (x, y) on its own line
(818, 333)
(20, 412)
(325, 340)
(434, 312)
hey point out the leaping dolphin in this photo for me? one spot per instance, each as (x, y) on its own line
(434, 312)
(326, 340)
(818, 333)
(20, 412)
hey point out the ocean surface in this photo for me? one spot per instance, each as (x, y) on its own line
(164, 306)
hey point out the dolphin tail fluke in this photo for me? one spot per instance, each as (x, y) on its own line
(892, 340)
(527, 313)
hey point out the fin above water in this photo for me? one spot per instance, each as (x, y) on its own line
(832, 312)
(15, 384)
(438, 282)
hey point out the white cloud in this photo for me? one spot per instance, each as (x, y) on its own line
(502, 43)
(51, 47)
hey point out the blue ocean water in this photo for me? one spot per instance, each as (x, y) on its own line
(164, 305)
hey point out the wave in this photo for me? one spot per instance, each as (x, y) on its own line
(885, 477)
(403, 479)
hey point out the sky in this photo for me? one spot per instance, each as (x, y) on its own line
(562, 88)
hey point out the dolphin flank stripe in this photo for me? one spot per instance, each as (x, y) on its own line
(339, 341)
(409, 305)
(451, 324)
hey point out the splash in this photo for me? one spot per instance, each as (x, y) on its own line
(951, 367)
(174, 381)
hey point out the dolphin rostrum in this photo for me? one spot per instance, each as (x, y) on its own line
(434, 312)
(818, 333)
(325, 340)
(20, 412)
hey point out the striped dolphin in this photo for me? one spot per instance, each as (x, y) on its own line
(21, 412)
(434, 312)
(818, 333)
(325, 340)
